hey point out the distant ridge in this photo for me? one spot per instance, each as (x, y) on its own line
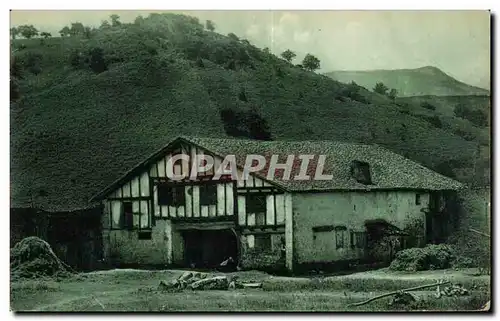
(428, 80)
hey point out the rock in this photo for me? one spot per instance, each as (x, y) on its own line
(168, 286)
(185, 276)
(403, 298)
(214, 283)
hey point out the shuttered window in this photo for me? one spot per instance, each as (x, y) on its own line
(171, 195)
(127, 216)
(208, 194)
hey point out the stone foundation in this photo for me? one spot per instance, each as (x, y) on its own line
(273, 258)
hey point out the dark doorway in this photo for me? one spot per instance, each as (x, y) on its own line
(208, 248)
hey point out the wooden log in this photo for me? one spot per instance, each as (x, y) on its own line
(215, 283)
(252, 285)
(479, 232)
(395, 292)
(185, 276)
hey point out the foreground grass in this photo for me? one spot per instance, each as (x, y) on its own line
(136, 291)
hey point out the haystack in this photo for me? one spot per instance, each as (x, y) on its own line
(33, 257)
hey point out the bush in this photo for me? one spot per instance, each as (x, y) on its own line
(78, 59)
(97, 62)
(431, 257)
(32, 61)
(427, 105)
(433, 120)
(352, 91)
(465, 134)
(475, 116)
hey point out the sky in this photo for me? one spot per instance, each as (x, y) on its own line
(457, 42)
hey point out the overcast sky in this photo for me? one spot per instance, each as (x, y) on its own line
(457, 42)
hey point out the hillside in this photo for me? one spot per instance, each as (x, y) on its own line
(410, 82)
(90, 108)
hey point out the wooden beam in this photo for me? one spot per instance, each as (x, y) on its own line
(140, 198)
(202, 219)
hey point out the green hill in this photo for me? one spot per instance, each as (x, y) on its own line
(410, 82)
(91, 107)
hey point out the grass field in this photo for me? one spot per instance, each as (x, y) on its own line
(135, 290)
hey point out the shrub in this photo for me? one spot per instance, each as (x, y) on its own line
(433, 120)
(77, 59)
(467, 135)
(97, 62)
(233, 37)
(427, 105)
(352, 91)
(431, 257)
(380, 88)
(475, 116)
(242, 96)
(31, 61)
(14, 90)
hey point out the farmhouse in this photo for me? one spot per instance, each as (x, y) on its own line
(269, 221)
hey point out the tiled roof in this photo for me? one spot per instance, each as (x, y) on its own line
(388, 169)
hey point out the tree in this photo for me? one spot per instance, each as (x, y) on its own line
(64, 31)
(104, 24)
(266, 50)
(44, 35)
(232, 36)
(257, 126)
(288, 55)
(380, 88)
(28, 31)
(210, 25)
(115, 20)
(77, 28)
(97, 62)
(311, 63)
(139, 20)
(392, 94)
(15, 75)
(14, 32)
(87, 31)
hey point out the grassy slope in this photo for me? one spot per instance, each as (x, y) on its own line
(136, 291)
(74, 131)
(410, 82)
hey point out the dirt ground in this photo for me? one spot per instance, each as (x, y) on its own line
(136, 290)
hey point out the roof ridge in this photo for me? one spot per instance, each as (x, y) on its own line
(189, 137)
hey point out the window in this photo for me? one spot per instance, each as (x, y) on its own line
(256, 204)
(144, 235)
(262, 242)
(208, 194)
(339, 236)
(360, 171)
(128, 216)
(358, 240)
(417, 199)
(171, 195)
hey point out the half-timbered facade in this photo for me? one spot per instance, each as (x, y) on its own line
(151, 219)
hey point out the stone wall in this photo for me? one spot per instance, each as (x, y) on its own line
(323, 222)
(271, 258)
